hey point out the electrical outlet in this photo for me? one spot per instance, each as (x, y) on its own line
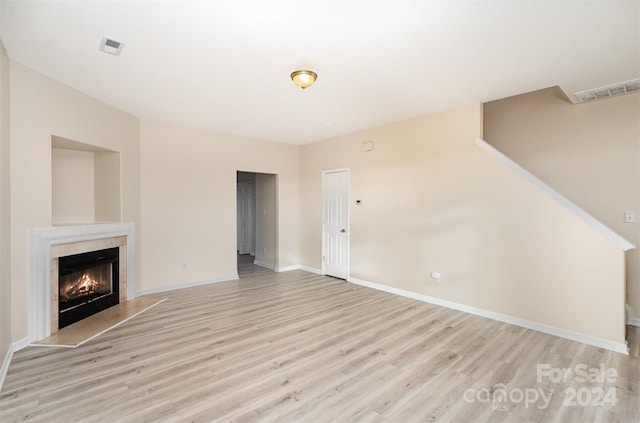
(629, 217)
(436, 276)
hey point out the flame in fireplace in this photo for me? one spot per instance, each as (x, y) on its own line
(84, 286)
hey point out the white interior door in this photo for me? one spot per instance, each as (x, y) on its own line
(335, 222)
(245, 221)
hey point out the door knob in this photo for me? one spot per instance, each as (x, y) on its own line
(343, 230)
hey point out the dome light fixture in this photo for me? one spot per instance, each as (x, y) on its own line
(304, 78)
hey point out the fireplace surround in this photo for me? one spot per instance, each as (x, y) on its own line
(47, 245)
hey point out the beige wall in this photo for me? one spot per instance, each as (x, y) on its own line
(107, 187)
(589, 152)
(189, 202)
(42, 108)
(5, 208)
(433, 201)
(72, 186)
(266, 219)
(86, 186)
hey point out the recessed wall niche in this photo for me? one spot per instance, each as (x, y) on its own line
(85, 183)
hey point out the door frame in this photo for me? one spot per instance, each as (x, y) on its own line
(348, 252)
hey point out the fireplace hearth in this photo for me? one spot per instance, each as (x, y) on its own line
(87, 284)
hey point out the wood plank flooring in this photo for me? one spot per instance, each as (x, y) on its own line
(298, 347)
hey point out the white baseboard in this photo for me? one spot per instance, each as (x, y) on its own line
(287, 268)
(21, 343)
(5, 365)
(185, 285)
(551, 330)
(265, 265)
(14, 347)
(310, 269)
(276, 268)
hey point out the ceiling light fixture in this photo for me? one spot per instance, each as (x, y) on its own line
(304, 78)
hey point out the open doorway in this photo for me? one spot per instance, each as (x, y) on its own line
(246, 212)
(256, 219)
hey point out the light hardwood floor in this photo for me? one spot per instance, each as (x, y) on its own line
(300, 347)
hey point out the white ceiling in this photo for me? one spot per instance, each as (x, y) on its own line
(224, 65)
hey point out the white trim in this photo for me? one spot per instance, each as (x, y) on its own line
(20, 344)
(265, 265)
(185, 285)
(634, 322)
(604, 230)
(287, 268)
(311, 270)
(14, 347)
(551, 330)
(40, 242)
(5, 365)
(299, 267)
(276, 268)
(101, 332)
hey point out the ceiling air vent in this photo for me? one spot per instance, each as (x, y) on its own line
(111, 46)
(608, 91)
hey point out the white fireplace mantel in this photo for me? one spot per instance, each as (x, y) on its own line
(40, 242)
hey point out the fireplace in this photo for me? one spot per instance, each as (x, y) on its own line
(87, 284)
(48, 245)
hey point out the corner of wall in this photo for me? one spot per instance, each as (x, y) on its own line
(481, 128)
(5, 216)
(632, 319)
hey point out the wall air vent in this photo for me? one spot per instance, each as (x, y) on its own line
(111, 46)
(608, 91)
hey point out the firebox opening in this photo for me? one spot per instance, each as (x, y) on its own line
(88, 283)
